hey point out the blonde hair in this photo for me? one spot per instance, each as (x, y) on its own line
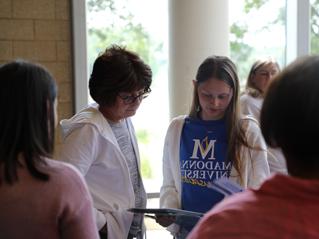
(251, 88)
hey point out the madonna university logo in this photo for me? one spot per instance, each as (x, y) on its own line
(202, 166)
(203, 147)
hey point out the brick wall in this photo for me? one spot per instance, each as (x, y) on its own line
(40, 31)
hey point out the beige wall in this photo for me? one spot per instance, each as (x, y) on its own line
(40, 31)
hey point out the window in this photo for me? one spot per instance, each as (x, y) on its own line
(257, 30)
(314, 21)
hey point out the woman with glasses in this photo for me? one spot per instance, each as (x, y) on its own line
(100, 141)
(39, 197)
(212, 142)
(261, 74)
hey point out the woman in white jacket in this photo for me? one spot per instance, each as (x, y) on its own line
(100, 141)
(211, 142)
(261, 74)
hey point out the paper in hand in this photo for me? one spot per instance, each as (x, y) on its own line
(225, 186)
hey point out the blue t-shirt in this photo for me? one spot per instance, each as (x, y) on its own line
(203, 153)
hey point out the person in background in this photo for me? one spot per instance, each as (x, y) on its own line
(284, 206)
(40, 197)
(213, 141)
(100, 141)
(259, 78)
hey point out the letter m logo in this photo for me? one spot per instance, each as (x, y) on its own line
(204, 148)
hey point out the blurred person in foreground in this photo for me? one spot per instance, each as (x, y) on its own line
(39, 197)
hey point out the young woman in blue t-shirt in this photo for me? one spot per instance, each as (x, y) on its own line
(213, 141)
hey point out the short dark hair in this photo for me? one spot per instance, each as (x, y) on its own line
(27, 96)
(118, 70)
(290, 112)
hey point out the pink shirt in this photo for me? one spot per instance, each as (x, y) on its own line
(58, 208)
(284, 207)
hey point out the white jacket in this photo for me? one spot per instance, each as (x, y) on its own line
(90, 145)
(252, 106)
(255, 166)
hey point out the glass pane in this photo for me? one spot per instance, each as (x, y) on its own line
(314, 20)
(257, 30)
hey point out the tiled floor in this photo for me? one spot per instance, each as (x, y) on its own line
(155, 231)
(158, 234)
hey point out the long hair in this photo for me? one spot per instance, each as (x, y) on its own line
(222, 68)
(251, 88)
(27, 96)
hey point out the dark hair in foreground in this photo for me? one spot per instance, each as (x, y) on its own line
(290, 115)
(27, 96)
(118, 70)
(222, 68)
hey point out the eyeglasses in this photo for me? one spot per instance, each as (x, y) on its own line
(130, 99)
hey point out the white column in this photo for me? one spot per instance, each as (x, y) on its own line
(197, 29)
(297, 29)
(80, 54)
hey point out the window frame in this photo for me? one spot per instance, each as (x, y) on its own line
(80, 62)
(297, 29)
(297, 42)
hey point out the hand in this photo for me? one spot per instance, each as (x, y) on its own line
(165, 221)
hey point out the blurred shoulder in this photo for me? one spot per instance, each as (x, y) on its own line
(231, 218)
(238, 202)
(249, 123)
(177, 121)
(63, 173)
(247, 99)
(179, 118)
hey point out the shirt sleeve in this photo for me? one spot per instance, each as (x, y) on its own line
(77, 218)
(248, 107)
(79, 149)
(214, 225)
(168, 193)
(257, 164)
